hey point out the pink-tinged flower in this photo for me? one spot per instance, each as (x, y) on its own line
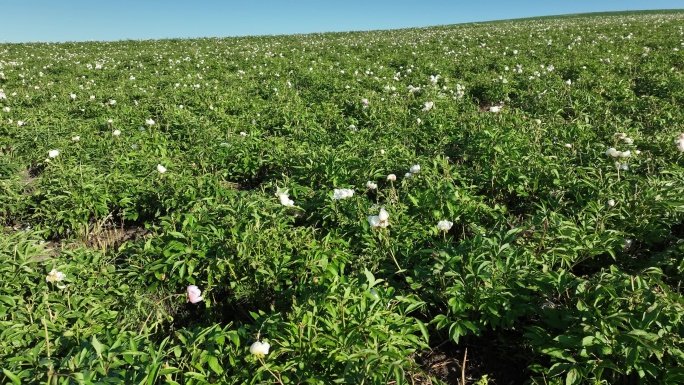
(194, 294)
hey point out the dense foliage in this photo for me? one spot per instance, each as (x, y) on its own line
(354, 200)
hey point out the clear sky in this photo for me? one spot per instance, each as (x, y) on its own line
(84, 20)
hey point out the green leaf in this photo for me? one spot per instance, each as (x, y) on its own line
(97, 345)
(214, 365)
(15, 379)
(573, 377)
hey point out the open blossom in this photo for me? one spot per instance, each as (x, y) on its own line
(161, 169)
(495, 109)
(149, 122)
(343, 193)
(259, 348)
(194, 294)
(116, 133)
(75, 138)
(55, 276)
(284, 197)
(428, 106)
(611, 202)
(371, 186)
(568, 145)
(109, 122)
(613, 152)
(380, 220)
(391, 177)
(680, 143)
(444, 225)
(53, 153)
(415, 169)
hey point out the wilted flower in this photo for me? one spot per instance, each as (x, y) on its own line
(53, 153)
(391, 177)
(415, 169)
(259, 348)
(444, 225)
(116, 133)
(370, 185)
(620, 135)
(194, 294)
(343, 193)
(161, 169)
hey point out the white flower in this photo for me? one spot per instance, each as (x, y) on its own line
(7, 109)
(391, 177)
(53, 153)
(55, 276)
(243, 134)
(343, 193)
(370, 185)
(568, 145)
(444, 225)
(625, 154)
(680, 143)
(73, 96)
(611, 202)
(259, 348)
(428, 106)
(116, 133)
(415, 169)
(629, 140)
(112, 102)
(75, 138)
(628, 243)
(109, 122)
(568, 82)
(284, 198)
(538, 121)
(408, 175)
(149, 122)
(382, 151)
(194, 294)
(418, 120)
(161, 169)
(495, 109)
(613, 152)
(380, 220)
(383, 215)
(364, 101)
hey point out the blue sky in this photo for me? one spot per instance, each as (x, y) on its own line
(80, 20)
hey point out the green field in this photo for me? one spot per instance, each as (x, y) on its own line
(497, 202)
